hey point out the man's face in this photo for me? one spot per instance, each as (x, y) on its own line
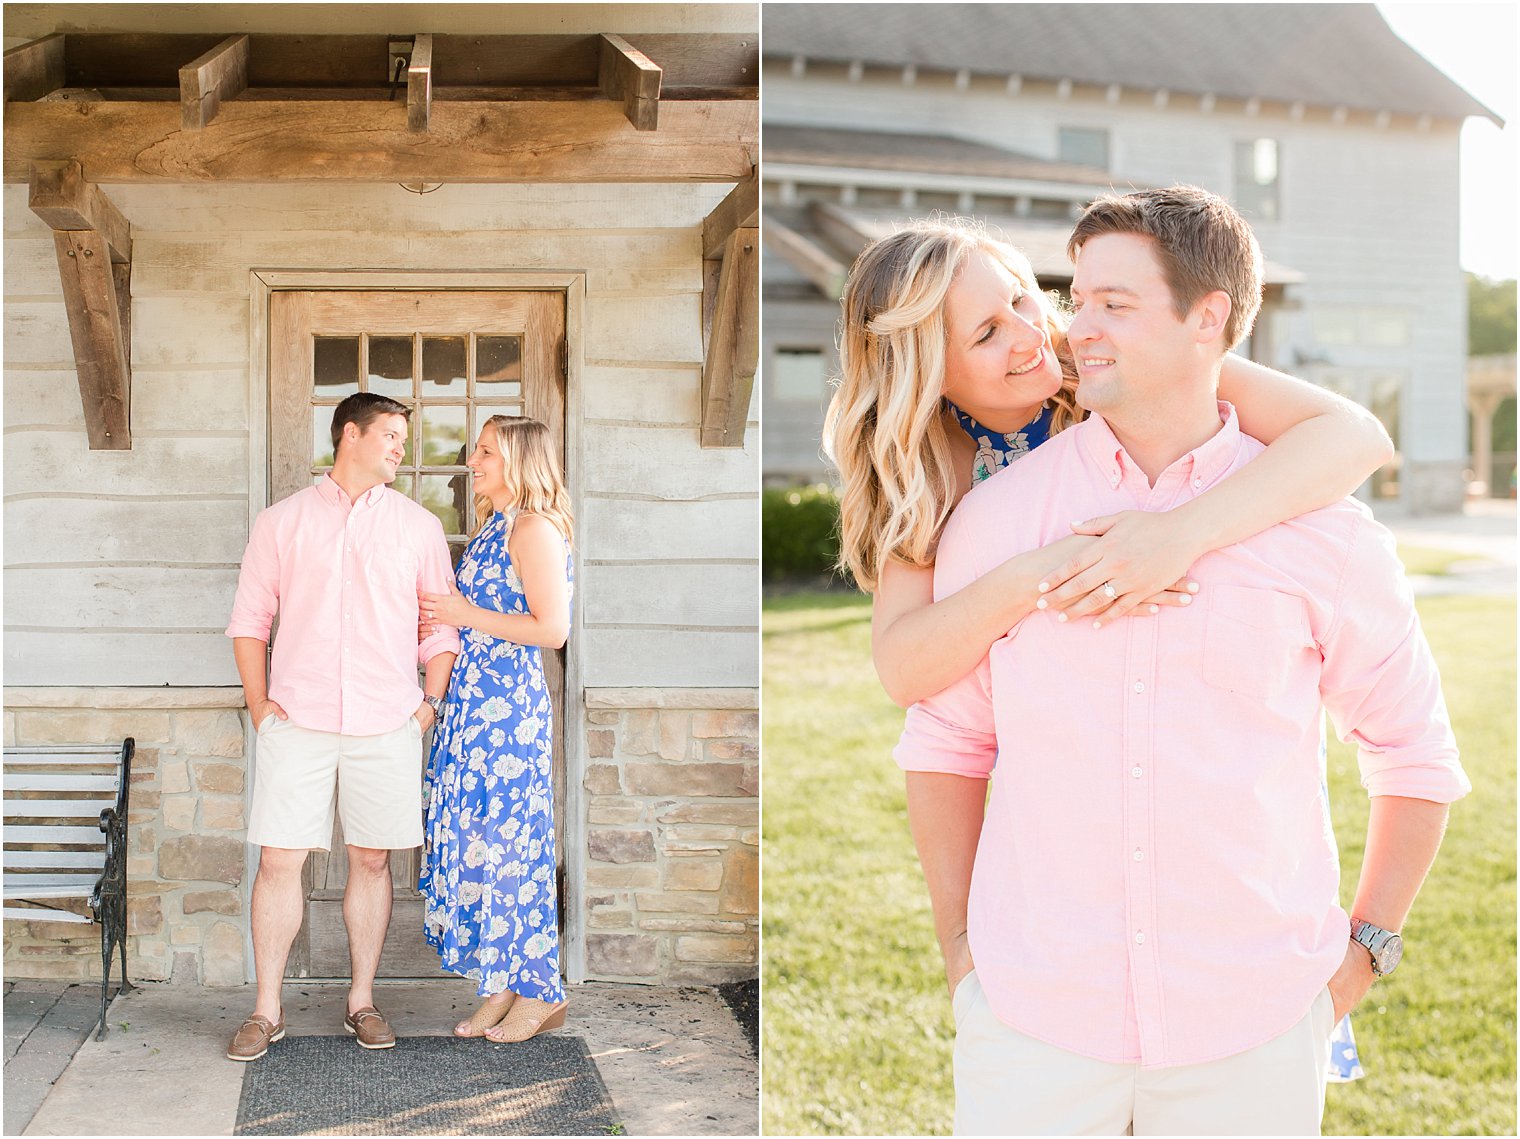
(378, 450)
(1131, 350)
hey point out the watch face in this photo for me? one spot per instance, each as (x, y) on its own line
(1390, 954)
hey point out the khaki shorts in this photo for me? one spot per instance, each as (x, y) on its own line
(378, 780)
(1007, 1083)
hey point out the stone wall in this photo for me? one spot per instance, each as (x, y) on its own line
(672, 888)
(185, 853)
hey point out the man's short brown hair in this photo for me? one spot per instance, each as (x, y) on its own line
(362, 409)
(1203, 245)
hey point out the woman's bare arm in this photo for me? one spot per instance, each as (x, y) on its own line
(921, 646)
(538, 553)
(1321, 447)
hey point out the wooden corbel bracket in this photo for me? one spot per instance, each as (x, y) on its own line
(94, 246)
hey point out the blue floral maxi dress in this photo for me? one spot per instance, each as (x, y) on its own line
(996, 450)
(488, 873)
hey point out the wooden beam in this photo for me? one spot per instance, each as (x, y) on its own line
(628, 75)
(837, 226)
(520, 142)
(61, 197)
(826, 273)
(34, 69)
(419, 84)
(204, 83)
(93, 293)
(733, 349)
(740, 210)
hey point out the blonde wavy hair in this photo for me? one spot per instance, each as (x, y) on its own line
(885, 427)
(530, 470)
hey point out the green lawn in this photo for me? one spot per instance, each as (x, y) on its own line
(858, 1032)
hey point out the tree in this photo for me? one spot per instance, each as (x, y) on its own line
(1490, 316)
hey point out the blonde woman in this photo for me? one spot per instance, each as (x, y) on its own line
(953, 365)
(488, 880)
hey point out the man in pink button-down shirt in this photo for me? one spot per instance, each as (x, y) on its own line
(1140, 923)
(340, 713)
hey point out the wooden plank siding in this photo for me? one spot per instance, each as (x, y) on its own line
(659, 521)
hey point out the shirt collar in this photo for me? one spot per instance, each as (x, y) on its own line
(1208, 462)
(334, 494)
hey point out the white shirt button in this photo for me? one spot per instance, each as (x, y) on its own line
(1139, 856)
(1135, 771)
(1139, 686)
(1140, 938)
(1197, 482)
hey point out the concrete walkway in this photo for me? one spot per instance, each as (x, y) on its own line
(675, 1061)
(1485, 531)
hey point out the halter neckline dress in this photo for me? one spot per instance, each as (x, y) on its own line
(488, 877)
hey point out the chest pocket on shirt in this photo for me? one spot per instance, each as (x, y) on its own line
(397, 569)
(1253, 638)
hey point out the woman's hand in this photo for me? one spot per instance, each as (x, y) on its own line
(434, 609)
(1143, 555)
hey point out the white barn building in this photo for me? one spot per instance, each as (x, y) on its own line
(1335, 139)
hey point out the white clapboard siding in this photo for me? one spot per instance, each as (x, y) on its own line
(155, 550)
(233, 208)
(189, 330)
(664, 462)
(642, 395)
(636, 529)
(54, 462)
(177, 265)
(37, 333)
(111, 597)
(145, 530)
(63, 657)
(699, 595)
(661, 658)
(637, 329)
(31, 267)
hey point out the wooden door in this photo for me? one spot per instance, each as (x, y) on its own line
(455, 357)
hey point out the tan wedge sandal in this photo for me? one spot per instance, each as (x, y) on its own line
(488, 1015)
(529, 1017)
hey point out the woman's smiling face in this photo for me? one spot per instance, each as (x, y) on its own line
(1000, 365)
(488, 467)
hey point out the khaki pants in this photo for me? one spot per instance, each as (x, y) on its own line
(1007, 1083)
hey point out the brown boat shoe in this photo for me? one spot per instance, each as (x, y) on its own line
(369, 1026)
(253, 1039)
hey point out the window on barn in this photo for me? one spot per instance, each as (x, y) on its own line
(798, 375)
(1256, 179)
(1083, 145)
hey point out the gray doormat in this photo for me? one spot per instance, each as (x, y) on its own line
(425, 1085)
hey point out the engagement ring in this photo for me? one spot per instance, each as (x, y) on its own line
(1109, 591)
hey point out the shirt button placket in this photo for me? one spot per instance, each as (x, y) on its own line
(1140, 900)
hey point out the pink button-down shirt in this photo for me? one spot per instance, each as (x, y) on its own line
(1157, 878)
(343, 577)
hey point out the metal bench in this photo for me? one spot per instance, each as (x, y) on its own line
(66, 837)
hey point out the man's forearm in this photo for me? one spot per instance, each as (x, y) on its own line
(945, 813)
(252, 658)
(1403, 836)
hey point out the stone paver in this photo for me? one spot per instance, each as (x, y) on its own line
(45, 1024)
(675, 1061)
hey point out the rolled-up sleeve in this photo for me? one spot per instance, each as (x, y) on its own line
(258, 589)
(1380, 682)
(436, 575)
(953, 731)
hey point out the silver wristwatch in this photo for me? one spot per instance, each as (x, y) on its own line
(435, 703)
(1385, 946)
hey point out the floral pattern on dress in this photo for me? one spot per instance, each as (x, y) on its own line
(487, 879)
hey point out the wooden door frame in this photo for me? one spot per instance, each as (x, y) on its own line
(262, 284)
